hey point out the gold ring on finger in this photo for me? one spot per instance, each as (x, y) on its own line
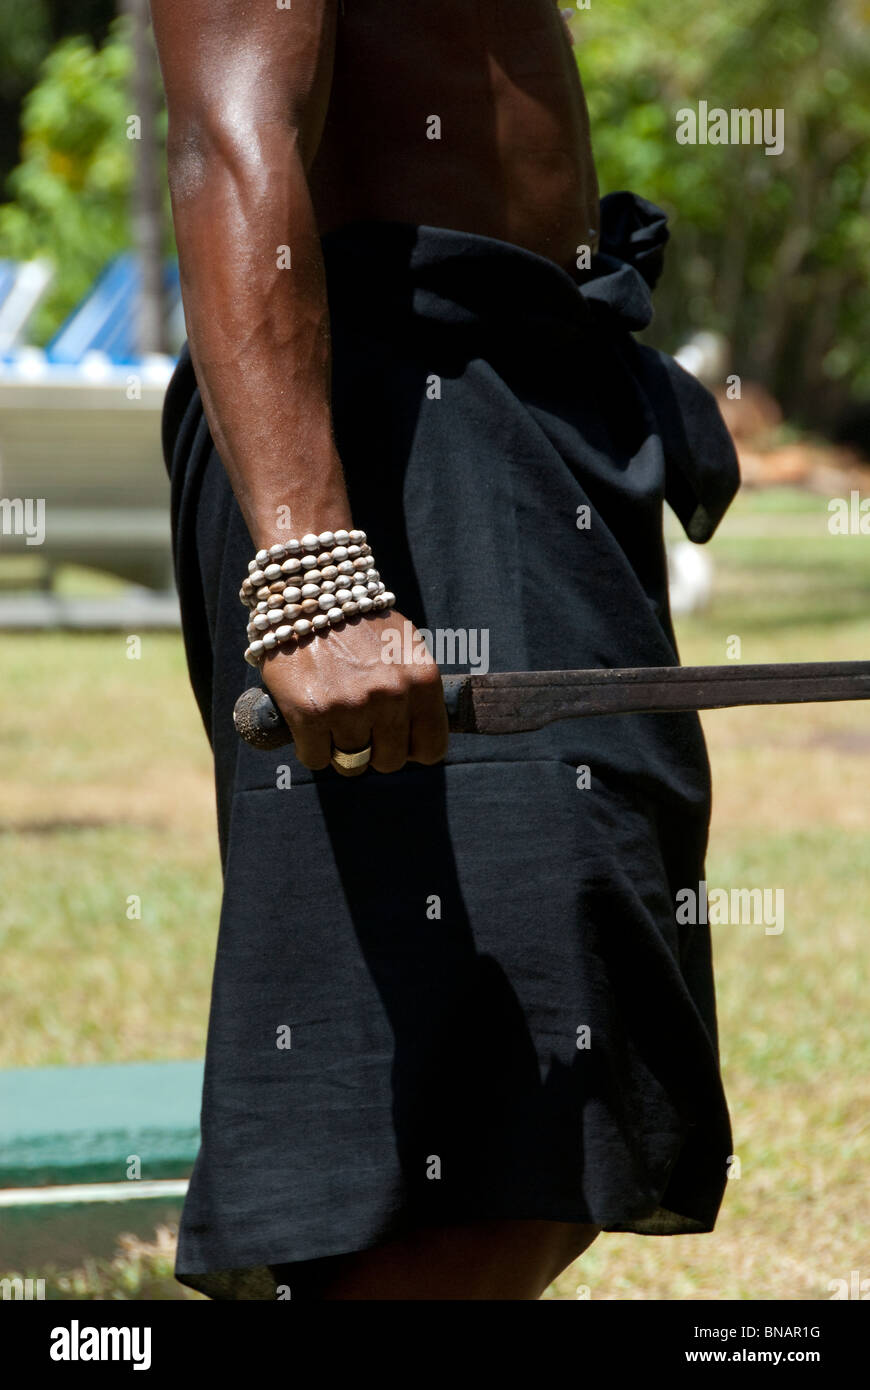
(351, 764)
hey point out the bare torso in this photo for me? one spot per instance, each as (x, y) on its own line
(459, 113)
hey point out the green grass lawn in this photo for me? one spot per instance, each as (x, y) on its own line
(107, 795)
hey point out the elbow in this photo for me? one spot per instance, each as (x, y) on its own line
(202, 152)
(187, 162)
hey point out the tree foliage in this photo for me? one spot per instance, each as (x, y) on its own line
(71, 191)
(771, 250)
(27, 33)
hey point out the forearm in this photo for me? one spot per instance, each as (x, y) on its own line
(258, 325)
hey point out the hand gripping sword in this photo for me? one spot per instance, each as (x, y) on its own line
(509, 702)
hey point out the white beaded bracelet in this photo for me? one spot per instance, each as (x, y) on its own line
(308, 568)
(309, 585)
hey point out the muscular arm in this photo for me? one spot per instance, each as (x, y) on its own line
(247, 87)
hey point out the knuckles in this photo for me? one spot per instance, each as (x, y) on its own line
(318, 708)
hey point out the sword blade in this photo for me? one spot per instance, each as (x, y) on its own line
(517, 701)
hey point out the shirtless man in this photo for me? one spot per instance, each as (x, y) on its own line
(285, 123)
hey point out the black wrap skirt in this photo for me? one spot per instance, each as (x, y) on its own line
(461, 992)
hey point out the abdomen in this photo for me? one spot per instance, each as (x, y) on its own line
(471, 117)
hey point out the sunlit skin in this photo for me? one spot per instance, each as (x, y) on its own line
(285, 124)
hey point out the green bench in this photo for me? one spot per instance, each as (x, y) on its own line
(69, 1137)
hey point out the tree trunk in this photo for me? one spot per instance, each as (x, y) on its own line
(147, 199)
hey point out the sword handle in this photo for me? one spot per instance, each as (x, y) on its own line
(259, 721)
(261, 724)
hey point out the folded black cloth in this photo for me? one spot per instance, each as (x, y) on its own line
(701, 470)
(492, 1008)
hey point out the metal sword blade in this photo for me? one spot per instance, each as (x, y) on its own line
(513, 701)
